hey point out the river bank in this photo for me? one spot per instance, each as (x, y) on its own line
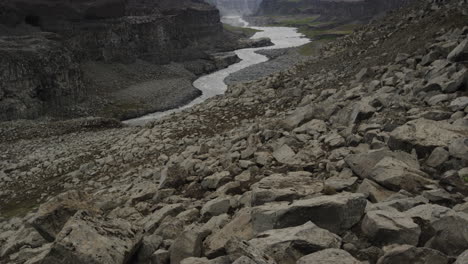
(214, 84)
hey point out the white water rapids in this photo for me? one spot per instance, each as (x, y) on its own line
(213, 84)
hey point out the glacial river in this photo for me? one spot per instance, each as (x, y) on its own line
(213, 84)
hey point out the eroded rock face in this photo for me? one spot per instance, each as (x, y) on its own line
(88, 239)
(287, 245)
(334, 213)
(390, 227)
(41, 73)
(53, 215)
(425, 135)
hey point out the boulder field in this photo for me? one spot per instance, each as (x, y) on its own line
(359, 155)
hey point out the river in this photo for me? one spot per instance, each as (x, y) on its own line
(213, 84)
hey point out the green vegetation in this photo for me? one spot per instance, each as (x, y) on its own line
(246, 32)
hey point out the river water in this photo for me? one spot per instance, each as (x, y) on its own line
(213, 84)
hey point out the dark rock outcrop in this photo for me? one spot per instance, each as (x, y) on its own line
(41, 73)
(360, 9)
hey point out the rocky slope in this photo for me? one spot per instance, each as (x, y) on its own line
(341, 9)
(50, 73)
(356, 156)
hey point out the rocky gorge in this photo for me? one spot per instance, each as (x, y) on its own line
(84, 58)
(358, 155)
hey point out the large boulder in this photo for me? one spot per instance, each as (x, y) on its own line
(363, 163)
(238, 248)
(375, 193)
(90, 239)
(390, 227)
(460, 53)
(327, 256)
(450, 234)
(52, 215)
(410, 254)
(240, 226)
(425, 135)
(396, 175)
(287, 245)
(334, 213)
(187, 244)
(152, 221)
(463, 258)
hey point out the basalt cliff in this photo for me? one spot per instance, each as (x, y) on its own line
(55, 55)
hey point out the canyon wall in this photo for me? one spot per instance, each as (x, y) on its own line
(343, 9)
(236, 7)
(41, 71)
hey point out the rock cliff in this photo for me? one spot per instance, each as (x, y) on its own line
(236, 7)
(42, 71)
(343, 9)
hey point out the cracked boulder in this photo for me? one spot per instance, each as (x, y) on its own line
(390, 227)
(334, 213)
(89, 239)
(425, 135)
(287, 245)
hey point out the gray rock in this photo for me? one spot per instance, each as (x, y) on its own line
(52, 215)
(451, 234)
(334, 140)
(463, 258)
(143, 191)
(188, 244)
(459, 148)
(287, 245)
(160, 256)
(460, 53)
(459, 103)
(339, 184)
(240, 226)
(425, 135)
(400, 203)
(237, 248)
(410, 254)
(22, 238)
(327, 256)
(285, 154)
(148, 246)
(216, 180)
(194, 260)
(395, 175)
(461, 208)
(216, 206)
(313, 127)
(152, 221)
(244, 260)
(88, 239)
(457, 81)
(438, 157)
(390, 227)
(363, 163)
(374, 191)
(334, 213)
